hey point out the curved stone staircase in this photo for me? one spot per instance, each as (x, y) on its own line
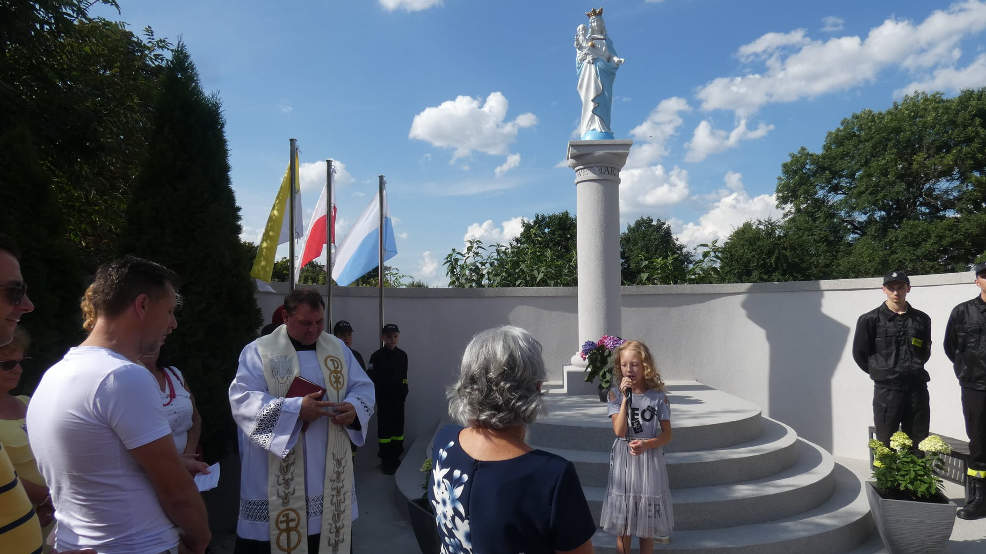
(740, 482)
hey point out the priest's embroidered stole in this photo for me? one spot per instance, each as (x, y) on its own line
(286, 478)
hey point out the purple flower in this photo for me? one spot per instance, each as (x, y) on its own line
(611, 342)
(587, 347)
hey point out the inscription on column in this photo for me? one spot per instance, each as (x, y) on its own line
(598, 170)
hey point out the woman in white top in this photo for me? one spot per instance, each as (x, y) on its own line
(179, 407)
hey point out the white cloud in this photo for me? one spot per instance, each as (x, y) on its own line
(343, 225)
(409, 5)
(472, 186)
(950, 79)
(402, 236)
(645, 188)
(467, 125)
(770, 43)
(706, 140)
(285, 107)
(732, 209)
(839, 63)
(513, 160)
(251, 234)
(733, 181)
(831, 24)
(312, 175)
(653, 134)
(430, 271)
(427, 266)
(490, 233)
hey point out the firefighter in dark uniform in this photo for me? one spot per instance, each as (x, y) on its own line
(343, 330)
(388, 369)
(965, 345)
(892, 344)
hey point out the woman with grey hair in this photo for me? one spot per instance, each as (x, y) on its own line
(490, 490)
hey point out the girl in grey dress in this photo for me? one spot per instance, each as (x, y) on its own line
(638, 497)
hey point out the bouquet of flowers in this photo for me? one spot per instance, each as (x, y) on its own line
(901, 474)
(599, 359)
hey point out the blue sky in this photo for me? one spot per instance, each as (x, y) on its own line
(467, 106)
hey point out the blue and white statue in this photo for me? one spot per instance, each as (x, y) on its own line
(597, 63)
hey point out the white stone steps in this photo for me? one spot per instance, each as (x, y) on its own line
(873, 546)
(772, 452)
(800, 488)
(740, 482)
(703, 418)
(840, 524)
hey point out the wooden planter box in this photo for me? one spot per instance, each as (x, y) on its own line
(908, 526)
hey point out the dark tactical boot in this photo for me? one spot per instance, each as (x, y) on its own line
(975, 506)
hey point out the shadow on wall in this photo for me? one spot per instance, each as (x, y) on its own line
(805, 348)
(653, 318)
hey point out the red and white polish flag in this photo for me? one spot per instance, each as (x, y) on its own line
(315, 233)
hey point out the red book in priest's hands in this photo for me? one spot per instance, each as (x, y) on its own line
(303, 387)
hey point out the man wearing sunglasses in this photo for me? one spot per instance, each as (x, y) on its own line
(13, 291)
(20, 530)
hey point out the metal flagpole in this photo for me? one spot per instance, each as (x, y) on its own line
(328, 242)
(380, 251)
(291, 169)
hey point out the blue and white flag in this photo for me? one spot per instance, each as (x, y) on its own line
(358, 252)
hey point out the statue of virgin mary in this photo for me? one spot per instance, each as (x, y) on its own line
(597, 63)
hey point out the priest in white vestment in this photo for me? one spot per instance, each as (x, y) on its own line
(278, 431)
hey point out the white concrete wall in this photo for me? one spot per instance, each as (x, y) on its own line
(784, 346)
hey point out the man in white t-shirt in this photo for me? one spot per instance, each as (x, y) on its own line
(99, 435)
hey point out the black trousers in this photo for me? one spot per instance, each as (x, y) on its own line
(247, 546)
(907, 410)
(974, 410)
(390, 422)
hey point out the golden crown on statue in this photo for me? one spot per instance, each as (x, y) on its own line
(595, 12)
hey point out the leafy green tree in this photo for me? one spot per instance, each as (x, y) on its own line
(542, 255)
(392, 278)
(312, 274)
(705, 267)
(907, 187)
(761, 251)
(83, 88)
(470, 267)
(651, 255)
(182, 213)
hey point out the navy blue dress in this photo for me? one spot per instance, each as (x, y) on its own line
(532, 503)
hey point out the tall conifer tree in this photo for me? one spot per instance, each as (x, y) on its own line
(182, 213)
(49, 262)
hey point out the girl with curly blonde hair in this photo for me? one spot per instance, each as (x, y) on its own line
(638, 495)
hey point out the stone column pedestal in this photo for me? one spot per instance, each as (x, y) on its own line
(597, 165)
